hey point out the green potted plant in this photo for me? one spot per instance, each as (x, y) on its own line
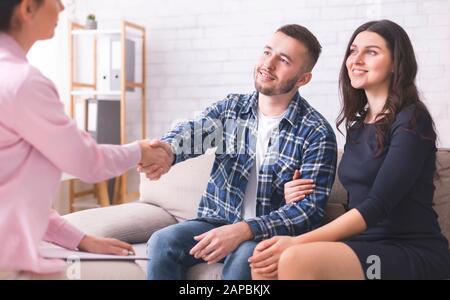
(91, 22)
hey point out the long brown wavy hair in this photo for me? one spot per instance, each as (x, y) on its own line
(402, 90)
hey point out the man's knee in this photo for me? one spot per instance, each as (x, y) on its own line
(161, 239)
(244, 251)
(237, 266)
(255, 252)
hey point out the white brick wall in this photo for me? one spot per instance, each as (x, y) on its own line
(201, 50)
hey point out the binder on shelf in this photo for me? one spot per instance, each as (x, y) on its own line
(103, 120)
(109, 57)
(103, 123)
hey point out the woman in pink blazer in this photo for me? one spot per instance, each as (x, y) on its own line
(37, 142)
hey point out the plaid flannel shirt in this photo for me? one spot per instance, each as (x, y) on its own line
(303, 141)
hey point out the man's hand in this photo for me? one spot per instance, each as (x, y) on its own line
(157, 159)
(216, 244)
(266, 255)
(104, 246)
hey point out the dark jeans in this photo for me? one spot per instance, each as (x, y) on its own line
(169, 258)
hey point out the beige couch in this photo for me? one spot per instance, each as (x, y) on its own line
(175, 198)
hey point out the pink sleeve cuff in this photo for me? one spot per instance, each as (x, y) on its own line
(62, 233)
(135, 150)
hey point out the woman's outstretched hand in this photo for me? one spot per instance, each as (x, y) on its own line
(105, 246)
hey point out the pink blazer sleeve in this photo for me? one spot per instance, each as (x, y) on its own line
(57, 137)
(62, 233)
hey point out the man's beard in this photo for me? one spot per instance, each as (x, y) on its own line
(284, 88)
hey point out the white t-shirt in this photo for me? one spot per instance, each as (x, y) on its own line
(266, 125)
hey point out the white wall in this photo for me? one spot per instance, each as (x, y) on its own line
(201, 50)
(50, 56)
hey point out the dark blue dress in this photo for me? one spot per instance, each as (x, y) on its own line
(394, 194)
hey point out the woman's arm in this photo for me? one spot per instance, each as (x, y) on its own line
(62, 233)
(406, 158)
(41, 121)
(267, 253)
(349, 224)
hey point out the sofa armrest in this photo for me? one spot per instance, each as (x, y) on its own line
(132, 222)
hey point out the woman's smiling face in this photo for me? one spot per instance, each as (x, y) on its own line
(369, 63)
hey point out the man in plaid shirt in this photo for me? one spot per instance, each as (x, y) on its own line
(262, 139)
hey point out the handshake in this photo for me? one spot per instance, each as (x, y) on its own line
(157, 158)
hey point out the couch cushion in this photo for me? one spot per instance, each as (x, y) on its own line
(204, 271)
(442, 192)
(111, 270)
(179, 191)
(338, 193)
(89, 270)
(139, 224)
(141, 250)
(201, 271)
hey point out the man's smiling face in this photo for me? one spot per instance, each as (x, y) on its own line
(280, 66)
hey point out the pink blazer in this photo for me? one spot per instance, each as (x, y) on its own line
(37, 142)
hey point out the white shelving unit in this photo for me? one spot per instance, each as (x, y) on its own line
(95, 93)
(79, 91)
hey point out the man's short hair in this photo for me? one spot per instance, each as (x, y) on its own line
(304, 36)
